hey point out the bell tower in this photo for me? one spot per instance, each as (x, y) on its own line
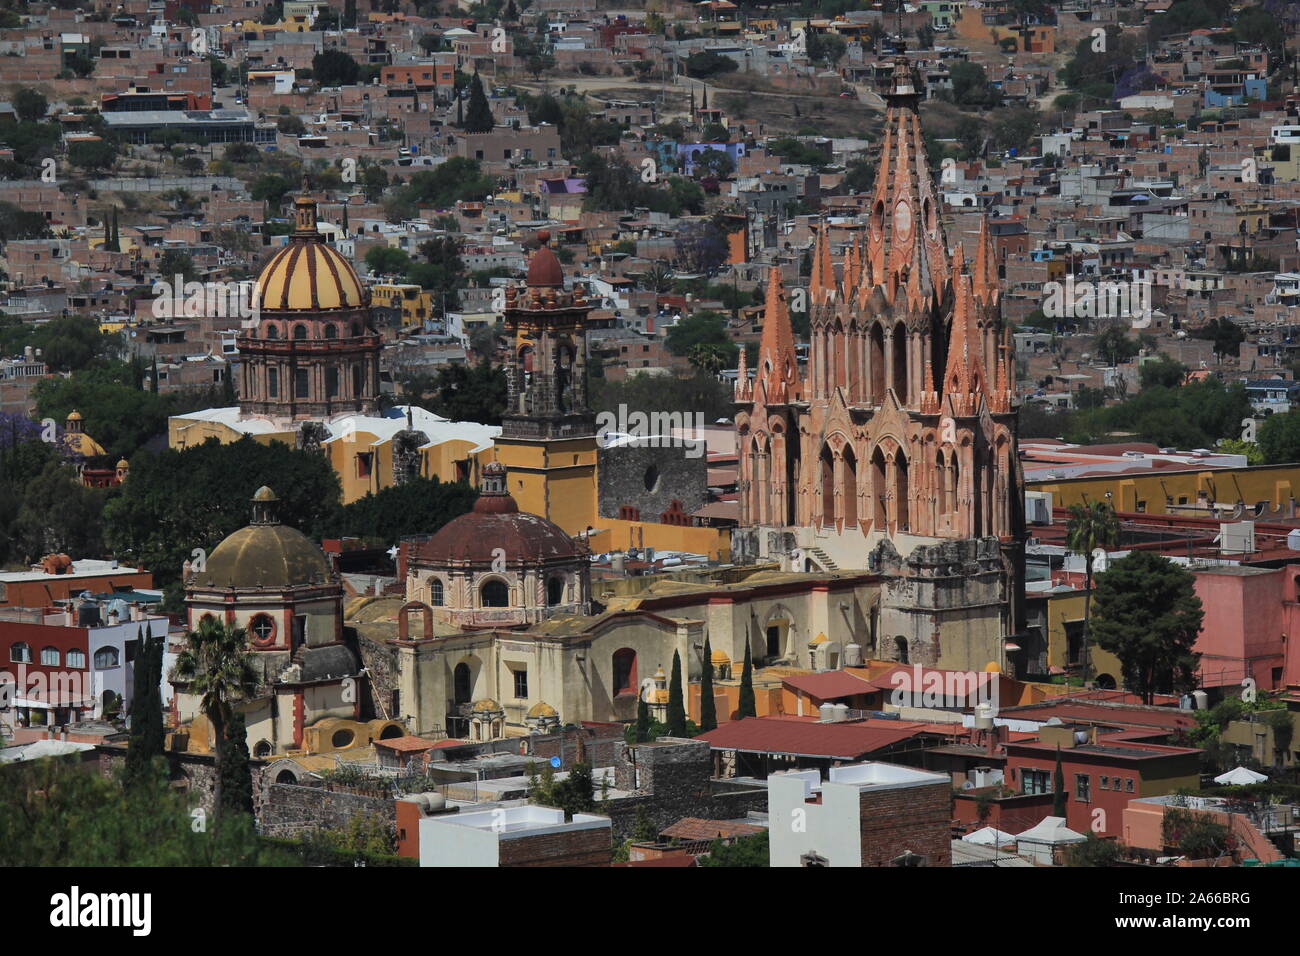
(548, 432)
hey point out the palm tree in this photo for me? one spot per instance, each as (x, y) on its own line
(220, 673)
(1091, 525)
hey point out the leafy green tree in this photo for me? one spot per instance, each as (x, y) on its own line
(181, 499)
(1095, 851)
(700, 328)
(676, 707)
(1146, 612)
(417, 505)
(117, 412)
(1115, 345)
(62, 814)
(478, 114)
(1162, 371)
(1089, 527)
(59, 514)
(708, 706)
(1195, 835)
(236, 776)
(93, 155)
(747, 851)
(271, 189)
(461, 393)
(1279, 438)
(30, 105)
(335, 68)
(147, 738)
(217, 668)
(971, 86)
(387, 261)
(1226, 335)
(748, 706)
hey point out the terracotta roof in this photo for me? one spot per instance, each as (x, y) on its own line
(695, 828)
(409, 743)
(808, 738)
(829, 685)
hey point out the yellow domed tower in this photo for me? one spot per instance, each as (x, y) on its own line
(313, 353)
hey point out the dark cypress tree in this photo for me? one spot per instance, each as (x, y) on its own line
(748, 707)
(478, 118)
(642, 721)
(676, 710)
(147, 737)
(460, 112)
(236, 777)
(708, 708)
(1058, 788)
(153, 376)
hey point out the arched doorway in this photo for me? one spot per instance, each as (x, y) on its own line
(900, 650)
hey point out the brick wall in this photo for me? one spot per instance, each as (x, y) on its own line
(590, 847)
(907, 819)
(291, 811)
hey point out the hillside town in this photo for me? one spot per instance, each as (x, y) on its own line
(855, 433)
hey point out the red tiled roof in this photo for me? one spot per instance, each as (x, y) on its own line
(776, 735)
(829, 685)
(694, 828)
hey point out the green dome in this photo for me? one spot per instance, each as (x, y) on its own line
(265, 556)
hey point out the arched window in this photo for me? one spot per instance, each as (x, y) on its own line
(300, 331)
(356, 330)
(900, 649)
(624, 671)
(828, 485)
(343, 738)
(876, 363)
(50, 657)
(272, 332)
(900, 363)
(105, 657)
(554, 591)
(20, 653)
(436, 595)
(850, 488)
(76, 658)
(462, 683)
(286, 776)
(494, 593)
(263, 749)
(331, 331)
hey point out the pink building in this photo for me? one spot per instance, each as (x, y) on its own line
(1249, 612)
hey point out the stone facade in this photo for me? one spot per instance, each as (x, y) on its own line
(292, 811)
(657, 483)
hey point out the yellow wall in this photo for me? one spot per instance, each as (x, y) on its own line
(614, 534)
(1272, 483)
(1065, 608)
(554, 479)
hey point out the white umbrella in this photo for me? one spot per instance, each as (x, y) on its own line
(1239, 776)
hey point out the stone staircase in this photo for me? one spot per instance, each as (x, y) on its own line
(824, 559)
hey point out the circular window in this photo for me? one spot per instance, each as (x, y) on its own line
(342, 738)
(262, 627)
(651, 478)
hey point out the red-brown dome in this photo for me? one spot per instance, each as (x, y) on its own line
(544, 269)
(483, 536)
(496, 530)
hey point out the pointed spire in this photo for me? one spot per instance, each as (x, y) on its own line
(986, 266)
(821, 286)
(963, 377)
(776, 378)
